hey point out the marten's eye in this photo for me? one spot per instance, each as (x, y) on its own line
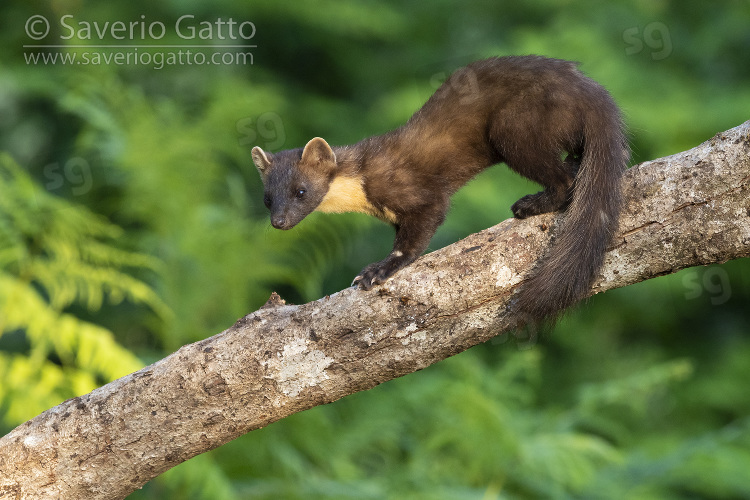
(267, 201)
(300, 193)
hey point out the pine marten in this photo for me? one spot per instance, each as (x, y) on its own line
(542, 117)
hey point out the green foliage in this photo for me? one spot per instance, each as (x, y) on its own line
(55, 255)
(639, 394)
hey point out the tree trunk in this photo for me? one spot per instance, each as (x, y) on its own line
(688, 209)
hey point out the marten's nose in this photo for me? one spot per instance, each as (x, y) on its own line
(280, 222)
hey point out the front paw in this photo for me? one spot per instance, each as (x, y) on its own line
(370, 276)
(375, 274)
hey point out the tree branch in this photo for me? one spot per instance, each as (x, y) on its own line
(688, 209)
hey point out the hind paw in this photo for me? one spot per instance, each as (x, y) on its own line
(540, 203)
(529, 205)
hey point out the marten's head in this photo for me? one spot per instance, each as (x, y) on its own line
(295, 180)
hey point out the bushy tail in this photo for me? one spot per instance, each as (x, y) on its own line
(576, 256)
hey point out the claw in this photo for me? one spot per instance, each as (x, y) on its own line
(375, 274)
(365, 281)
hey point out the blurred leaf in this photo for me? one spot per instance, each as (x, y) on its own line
(56, 255)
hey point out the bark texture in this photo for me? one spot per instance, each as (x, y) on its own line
(685, 210)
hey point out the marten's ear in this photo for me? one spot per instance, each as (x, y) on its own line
(318, 151)
(262, 160)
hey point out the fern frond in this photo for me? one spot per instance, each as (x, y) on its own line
(54, 255)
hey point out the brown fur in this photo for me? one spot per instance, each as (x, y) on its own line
(526, 111)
